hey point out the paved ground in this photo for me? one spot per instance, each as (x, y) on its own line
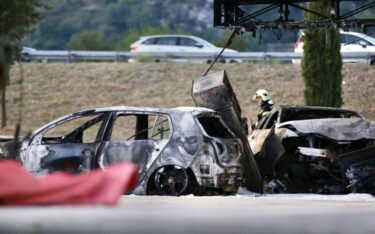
(233, 214)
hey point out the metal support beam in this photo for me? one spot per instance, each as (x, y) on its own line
(259, 12)
(229, 14)
(310, 11)
(357, 11)
(335, 6)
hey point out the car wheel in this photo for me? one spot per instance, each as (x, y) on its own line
(372, 62)
(171, 181)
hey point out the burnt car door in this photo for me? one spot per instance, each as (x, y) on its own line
(266, 145)
(262, 131)
(135, 137)
(68, 145)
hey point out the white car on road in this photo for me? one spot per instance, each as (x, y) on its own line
(178, 47)
(350, 42)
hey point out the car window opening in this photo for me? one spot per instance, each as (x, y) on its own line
(151, 41)
(166, 41)
(182, 41)
(140, 127)
(271, 120)
(83, 129)
(214, 127)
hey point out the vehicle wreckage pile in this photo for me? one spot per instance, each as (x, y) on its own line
(207, 149)
(299, 149)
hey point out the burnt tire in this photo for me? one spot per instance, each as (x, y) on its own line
(171, 181)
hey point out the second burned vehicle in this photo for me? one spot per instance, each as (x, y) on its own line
(315, 150)
(298, 149)
(178, 150)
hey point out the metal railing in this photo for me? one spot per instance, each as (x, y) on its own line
(72, 56)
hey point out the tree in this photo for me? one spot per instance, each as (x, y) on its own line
(322, 62)
(16, 19)
(89, 40)
(133, 34)
(240, 43)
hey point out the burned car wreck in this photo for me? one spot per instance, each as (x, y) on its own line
(178, 151)
(302, 149)
(206, 150)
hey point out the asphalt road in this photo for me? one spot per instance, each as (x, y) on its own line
(291, 214)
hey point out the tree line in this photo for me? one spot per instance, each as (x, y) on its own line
(115, 24)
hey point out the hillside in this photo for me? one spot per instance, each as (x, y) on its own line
(117, 23)
(56, 89)
(115, 19)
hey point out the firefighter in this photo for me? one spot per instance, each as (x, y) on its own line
(265, 103)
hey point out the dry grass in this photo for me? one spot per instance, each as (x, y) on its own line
(56, 89)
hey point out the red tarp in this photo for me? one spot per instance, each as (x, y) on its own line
(18, 187)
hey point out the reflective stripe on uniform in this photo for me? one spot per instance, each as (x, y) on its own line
(265, 113)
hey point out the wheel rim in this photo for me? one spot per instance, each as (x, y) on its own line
(171, 181)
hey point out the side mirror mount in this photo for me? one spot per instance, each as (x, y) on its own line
(363, 44)
(198, 45)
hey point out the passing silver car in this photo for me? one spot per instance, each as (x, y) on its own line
(174, 46)
(351, 42)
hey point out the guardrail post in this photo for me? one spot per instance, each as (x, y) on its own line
(68, 57)
(264, 58)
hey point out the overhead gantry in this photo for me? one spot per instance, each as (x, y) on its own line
(248, 15)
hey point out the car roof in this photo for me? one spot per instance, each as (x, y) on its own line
(194, 110)
(200, 40)
(361, 35)
(354, 33)
(302, 107)
(25, 48)
(168, 35)
(312, 107)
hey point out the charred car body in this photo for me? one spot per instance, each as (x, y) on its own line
(177, 150)
(315, 150)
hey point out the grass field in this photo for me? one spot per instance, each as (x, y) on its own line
(56, 89)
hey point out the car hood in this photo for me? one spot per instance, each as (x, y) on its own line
(336, 129)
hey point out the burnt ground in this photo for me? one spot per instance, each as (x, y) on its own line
(55, 89)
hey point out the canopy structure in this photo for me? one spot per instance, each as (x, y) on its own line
(249, 15)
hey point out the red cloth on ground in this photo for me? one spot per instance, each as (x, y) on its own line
(18, 187)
